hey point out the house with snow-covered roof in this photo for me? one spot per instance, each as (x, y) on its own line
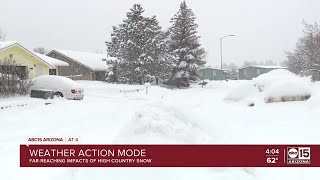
(212, 73)
(82, 65)
(29, 62)
(250, 72)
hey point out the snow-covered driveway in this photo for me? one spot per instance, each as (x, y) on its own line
(194, 115)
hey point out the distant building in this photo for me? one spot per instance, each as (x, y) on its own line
(249, 72)
(82, 65)
(213, 73)
(30, 63)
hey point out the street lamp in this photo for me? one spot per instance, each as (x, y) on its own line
(221, 45)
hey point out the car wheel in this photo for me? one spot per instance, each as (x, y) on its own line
(58, 94)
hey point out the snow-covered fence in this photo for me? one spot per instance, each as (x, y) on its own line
(133, 90)
(76, 77)
(146, 87)
(10, 106)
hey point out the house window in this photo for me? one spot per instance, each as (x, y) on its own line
(258, 71)
(52, 72)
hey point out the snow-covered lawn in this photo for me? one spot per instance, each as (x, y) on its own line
(194, 115)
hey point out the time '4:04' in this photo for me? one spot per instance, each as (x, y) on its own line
(272, 151)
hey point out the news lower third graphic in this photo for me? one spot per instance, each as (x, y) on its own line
(77, 155)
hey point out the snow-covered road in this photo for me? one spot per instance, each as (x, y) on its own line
(194, 115)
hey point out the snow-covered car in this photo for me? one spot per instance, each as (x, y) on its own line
(282, 85)
(275, 86)
(61, 86)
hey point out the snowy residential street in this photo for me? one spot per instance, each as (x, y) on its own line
(160, 90)
(112, 114)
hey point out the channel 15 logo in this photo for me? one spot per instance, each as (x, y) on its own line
(298, 155)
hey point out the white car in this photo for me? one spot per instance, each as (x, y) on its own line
(61, 86)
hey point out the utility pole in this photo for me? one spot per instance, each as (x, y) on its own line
(221, 45)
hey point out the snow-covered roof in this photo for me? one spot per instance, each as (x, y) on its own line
(4, 44)
(210, 67)
(271, 67)
(266, 67)
(47, 60)
(50, 60)
(93, 61)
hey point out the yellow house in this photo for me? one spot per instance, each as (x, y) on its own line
(37, 64)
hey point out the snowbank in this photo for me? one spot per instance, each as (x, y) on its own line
(243, 91)
(158, 124)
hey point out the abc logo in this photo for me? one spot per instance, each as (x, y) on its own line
(293, 153)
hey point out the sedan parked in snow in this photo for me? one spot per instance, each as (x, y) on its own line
(61, 86)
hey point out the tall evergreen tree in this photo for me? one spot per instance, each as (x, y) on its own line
(138, 44)
(184, 43)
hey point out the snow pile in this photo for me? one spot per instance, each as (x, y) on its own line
(283, 83)
(244, 91)
(158, 124)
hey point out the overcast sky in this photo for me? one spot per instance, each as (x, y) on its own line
(264, 29)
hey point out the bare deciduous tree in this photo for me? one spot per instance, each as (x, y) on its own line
(250, 63)
(40, 50)
(2, 35)
(305, 58)
(13, 78)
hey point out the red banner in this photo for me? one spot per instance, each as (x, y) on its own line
(170, 155)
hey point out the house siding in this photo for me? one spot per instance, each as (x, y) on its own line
(74, 68)
(23, 57)
(212, 74)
